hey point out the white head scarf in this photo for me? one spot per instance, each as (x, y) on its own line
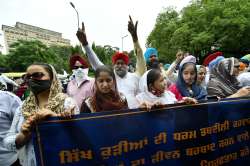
(244, 79)
(145, 95)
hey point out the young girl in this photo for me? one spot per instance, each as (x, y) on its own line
(186, 83)
(106, 96)
(153, 91)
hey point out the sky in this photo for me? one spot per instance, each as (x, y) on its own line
(105, 20)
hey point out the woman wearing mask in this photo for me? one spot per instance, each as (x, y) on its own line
(106, 96)
(153, 91)
(46, 99)
(223, 80)
(81, 86)
(186, 83)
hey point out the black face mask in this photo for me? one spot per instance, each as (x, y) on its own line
(38, 86)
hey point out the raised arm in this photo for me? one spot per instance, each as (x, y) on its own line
(8, 80)
(92, 57)
(171, 69)
(141, 67)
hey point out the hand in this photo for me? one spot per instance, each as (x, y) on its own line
(28, 126)
(245, 91)
(179, 56)
(158, 105)
(43, 114)
(189, 100)
(132, 28)
(81, 35)
(67, 113)
(146, 105)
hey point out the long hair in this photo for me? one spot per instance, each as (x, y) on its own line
(110, 101)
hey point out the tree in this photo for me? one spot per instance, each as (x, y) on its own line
(200, 25)
(104, 53)
(23, 53)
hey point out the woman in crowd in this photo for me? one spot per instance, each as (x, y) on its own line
(201, 75)
(106, 96)
(223, 80)
(153, 91)
(46, 99)
(186, 85)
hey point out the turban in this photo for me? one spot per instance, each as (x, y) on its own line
(149, 52)
(211, 57)
(75, 58)
(122, 56)
(215, 62)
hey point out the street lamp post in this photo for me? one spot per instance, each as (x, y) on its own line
(122, 40)
(76, 13)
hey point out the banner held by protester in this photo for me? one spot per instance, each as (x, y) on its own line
(214, 133)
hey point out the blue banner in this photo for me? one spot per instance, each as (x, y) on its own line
(206, 134)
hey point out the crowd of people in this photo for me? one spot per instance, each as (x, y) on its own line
(152, 85)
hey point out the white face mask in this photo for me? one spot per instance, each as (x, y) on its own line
(80, 74)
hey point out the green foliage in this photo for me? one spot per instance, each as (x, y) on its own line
(3, 61)
(23, 53)
(104, 53)
(200, 25)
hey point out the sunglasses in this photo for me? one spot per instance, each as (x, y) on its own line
(35, 76)
(77, 67)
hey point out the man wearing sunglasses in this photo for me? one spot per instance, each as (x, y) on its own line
(81, 86)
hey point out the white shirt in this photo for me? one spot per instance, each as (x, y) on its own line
(167, 98)
(8, 105)
(4, 80)
(128, 85)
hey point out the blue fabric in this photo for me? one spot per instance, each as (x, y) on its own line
(215, 62)
(199, 92)
(166, 66)
(124, 137)
(149, 52)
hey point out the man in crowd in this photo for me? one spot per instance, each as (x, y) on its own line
(8, 105)
(127, 82)
(81, 86)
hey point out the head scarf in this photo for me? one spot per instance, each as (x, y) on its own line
(55, 101)
(107, 102)
(77, 57)
(198, 92)
(215, 62)
(189, 58)
(245, 61)
(203, 83)
(222, 76)
(166, 98)
(122, 56)
(149, 52)
(246, 57)
(244, 79)
(211, 57)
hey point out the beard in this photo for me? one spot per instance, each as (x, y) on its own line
(121, 72)
(154, 64)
